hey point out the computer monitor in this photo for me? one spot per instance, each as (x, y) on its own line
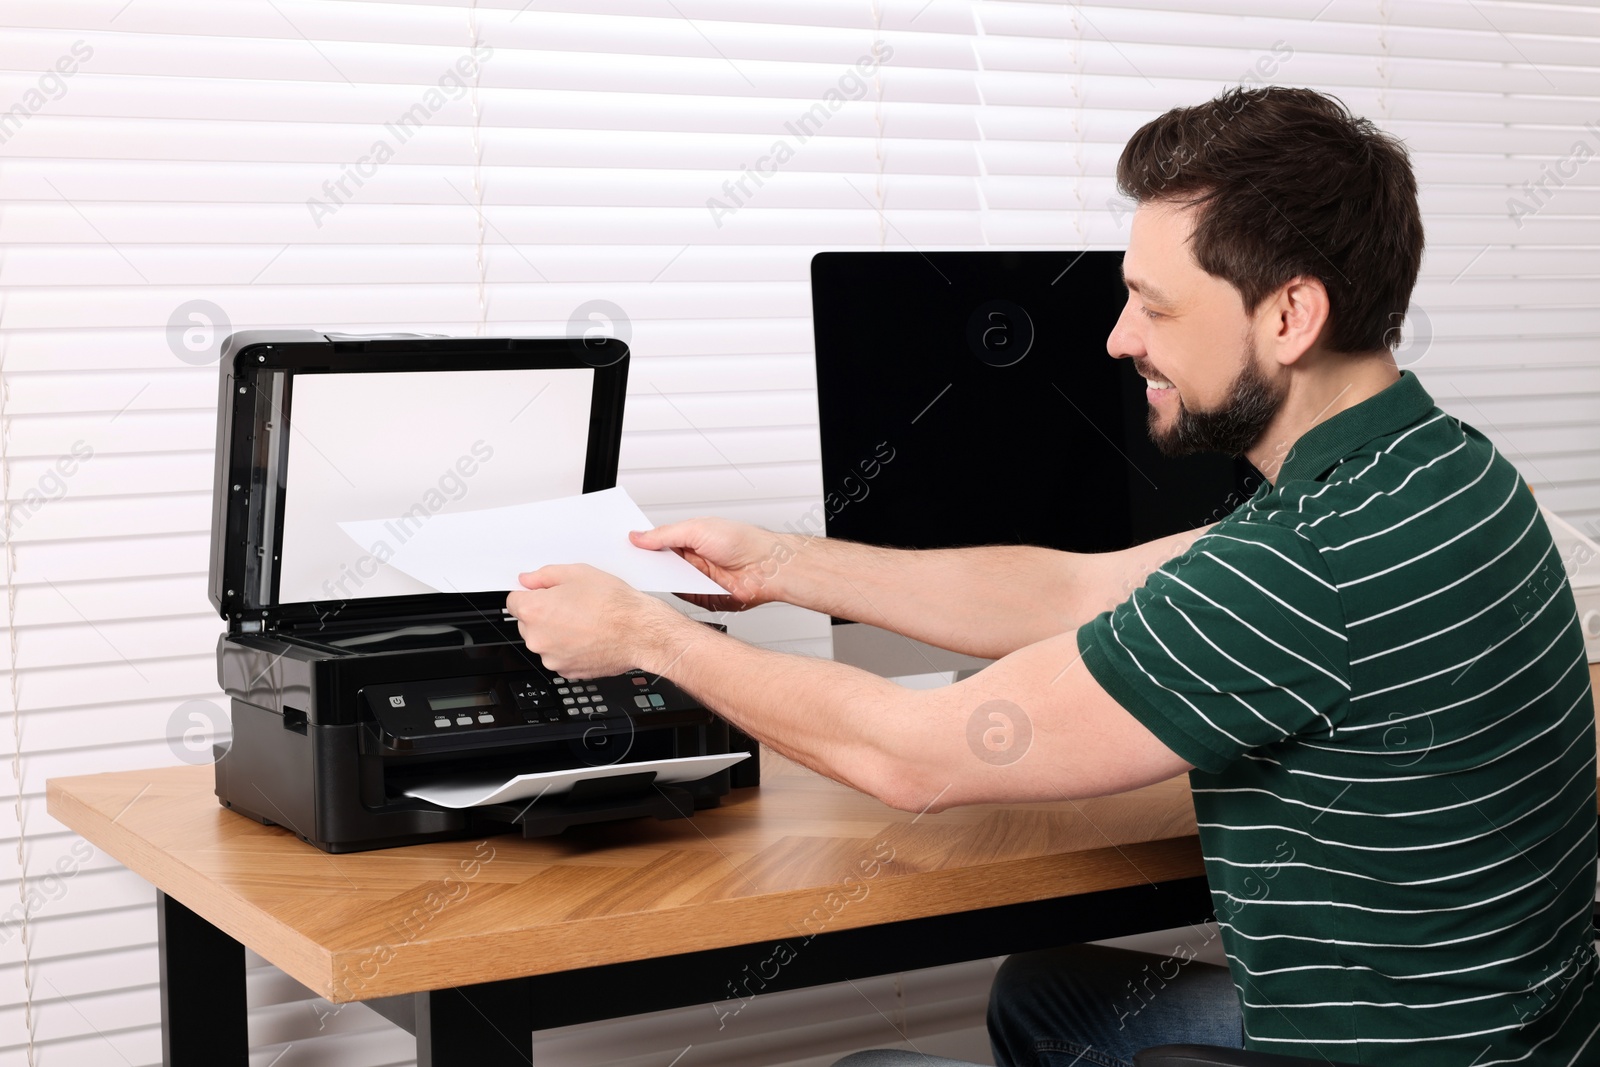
(966, 398)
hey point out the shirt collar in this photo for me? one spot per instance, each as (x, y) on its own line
(1325, 444)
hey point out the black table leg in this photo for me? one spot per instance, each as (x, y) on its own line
(487, 1025)
(203, 1015)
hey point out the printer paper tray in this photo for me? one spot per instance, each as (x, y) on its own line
(481, 790)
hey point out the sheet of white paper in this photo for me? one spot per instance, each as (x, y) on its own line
(483, 551)
(475, 792)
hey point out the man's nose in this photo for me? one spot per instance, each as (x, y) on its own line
(1124, 341)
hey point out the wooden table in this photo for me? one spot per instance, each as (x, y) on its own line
(472, 945)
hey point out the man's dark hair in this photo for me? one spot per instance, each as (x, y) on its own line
(1288, 183)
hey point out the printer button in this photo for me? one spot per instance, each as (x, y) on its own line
(583, 700)
(486, 718)
(656, 701)
(642, 701)
(441, 721)
(569, 700)
(594, 689)
(563, 690)
(640, 681)
(463, 720)
(601, 708)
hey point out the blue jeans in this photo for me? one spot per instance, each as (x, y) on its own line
(1091, 1006)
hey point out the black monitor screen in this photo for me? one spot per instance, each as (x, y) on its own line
(967, 398)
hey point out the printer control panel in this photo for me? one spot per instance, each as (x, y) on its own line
(412, 713)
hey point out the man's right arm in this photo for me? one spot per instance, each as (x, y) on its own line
(986, 601)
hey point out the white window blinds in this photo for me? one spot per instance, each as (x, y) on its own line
(660, 169)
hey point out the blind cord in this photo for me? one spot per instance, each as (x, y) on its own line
(1079, 128)
(878, 190)
(477, 168)
(981, 163)
(1385, 74)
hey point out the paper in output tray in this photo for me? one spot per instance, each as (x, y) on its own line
(475, 792)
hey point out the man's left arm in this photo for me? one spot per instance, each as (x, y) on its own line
(1034, 726)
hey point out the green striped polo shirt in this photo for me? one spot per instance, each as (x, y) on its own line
(1376, 667)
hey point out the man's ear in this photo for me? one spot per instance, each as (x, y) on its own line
(1290, 320)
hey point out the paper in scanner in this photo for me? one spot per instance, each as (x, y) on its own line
(485, 550)
(479, 790)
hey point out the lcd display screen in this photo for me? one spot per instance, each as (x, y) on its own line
(469, 700)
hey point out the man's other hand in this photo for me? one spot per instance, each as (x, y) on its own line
(745, 560)
(585, 623)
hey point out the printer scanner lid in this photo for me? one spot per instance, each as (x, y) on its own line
(316, 429)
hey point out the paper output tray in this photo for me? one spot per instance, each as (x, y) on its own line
(623, 796)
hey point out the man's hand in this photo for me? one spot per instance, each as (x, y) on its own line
(743, 559)
(585, 623)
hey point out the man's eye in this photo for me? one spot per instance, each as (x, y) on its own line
(1147, 313)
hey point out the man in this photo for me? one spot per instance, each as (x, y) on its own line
(1371, 670)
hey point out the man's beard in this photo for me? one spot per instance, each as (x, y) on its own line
(1232, 428)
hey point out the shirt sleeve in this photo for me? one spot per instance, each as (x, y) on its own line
(1234, 645)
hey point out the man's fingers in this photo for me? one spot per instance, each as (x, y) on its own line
(520, 604)
(671, 535)
(651, 539)
(554, 574)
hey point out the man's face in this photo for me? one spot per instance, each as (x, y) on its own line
(1190, 338)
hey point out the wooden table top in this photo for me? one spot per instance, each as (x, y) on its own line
(800, 855)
